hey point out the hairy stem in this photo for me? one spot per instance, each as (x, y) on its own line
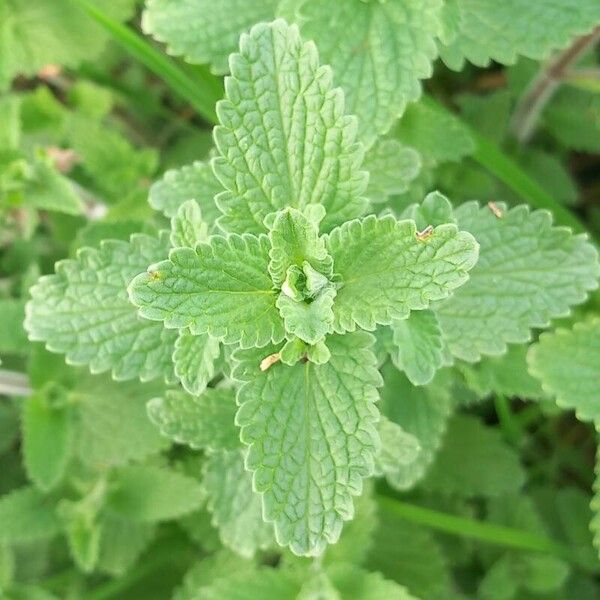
(543, 86)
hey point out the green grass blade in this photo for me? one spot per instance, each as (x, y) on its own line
(490, 533)
(499, 164)
(202, 91)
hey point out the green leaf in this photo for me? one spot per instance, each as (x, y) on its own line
(13, 339)
(506, 375)
(34, 35)
(422, 412)
(83, 311)
(312, 437)
(236, 509)
(121, 543)
(386, 270)
(418, 346)
(46, 189)
(10, 122)
(485, 30)
(437, 136)
(26, 515)
(264, 583)
(391, 166)
(398, 448)
(540, 270)
(221, 288)
(201, 31)
(379, 52)
(187, 226)
(193, 182)
(194, 360)
(112, 427)
(147, 494)
(201, 422)
(357, 584)
(566, 362)
(474, 461)
(82, 532)
(47, 436)
(435, 210)
(595, 506)
(279, 99)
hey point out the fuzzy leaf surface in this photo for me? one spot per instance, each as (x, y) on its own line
(194, 360)
(386, 271)
(279, 100)
(379, 52)
(528, 273)
(221, 288)
(201, 422)
(566, 361)
(187, 226)
(312, 437)
(82, 311)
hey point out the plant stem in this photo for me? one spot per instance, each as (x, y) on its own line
(544, 85)
(202, 94)
(508, 425)
(14, 384)
(498, 535)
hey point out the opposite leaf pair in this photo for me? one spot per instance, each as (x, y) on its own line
(253, 290)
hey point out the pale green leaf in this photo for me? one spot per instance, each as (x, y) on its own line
(379, 52)
(435, 210)
(192, 182)
(437, 136)
(398, 448)
(486, 30)
(147, 494)
(34, 34)
(202, 31)
(194, 360)
(264, 583)
(121, 542)
(528, 273)
(391, 166)
(201, 422)
(47, 436)
(83, 311)
(474, 460)
(567, 363)
(422, 412)
(221, 288)
(418, 346)
(279, 99)
(26, 515)
(10, 122)
(386, 270)
(187, 226)
(312, 437)
(82, 532)
(13, 339)
(506, 375)
(112, 427)
(236, 509)
(357, 584)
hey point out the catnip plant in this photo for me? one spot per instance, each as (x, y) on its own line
(302, 333)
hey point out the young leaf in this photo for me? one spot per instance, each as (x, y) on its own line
(201, 422)
(26, 515)
(194, 360)
(386, 270)
(391, 168)
(221, 288)
(418, 346)
(192, 182)
(541, 270)
(83, 534)
(566, 362)
(147, 494)
(83, 311)
(201, 31)
(474, 461)
(485, 30)
(187, 226)
(47, 436)
(279, 99)
(378, 51)
(236, 509)
(422, 412)
(398, 448)
(312, 437)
